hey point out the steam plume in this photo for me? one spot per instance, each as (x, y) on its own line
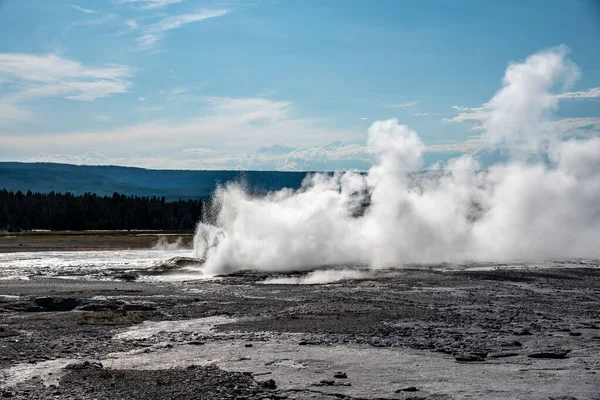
(543, 204)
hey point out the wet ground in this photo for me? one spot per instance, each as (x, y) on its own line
(423, 333)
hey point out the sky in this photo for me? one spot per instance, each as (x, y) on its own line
(272, 84)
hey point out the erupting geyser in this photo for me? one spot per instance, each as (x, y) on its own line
(543, 203)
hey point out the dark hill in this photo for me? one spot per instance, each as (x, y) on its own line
(105, 180)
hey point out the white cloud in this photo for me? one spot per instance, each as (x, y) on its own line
(333, 156)
(476, 114)
(51, 75)
(229, 126)
(141, 98)
(404, 105)
(154, 33)
(131, 24)
(583, 94)
(424, 114)
(83, 10)
(149, 4)
(26, 77)
(89, 158)
(472, 145)
(519, 113)
(364, 118)
(199, 150)
(102, 117)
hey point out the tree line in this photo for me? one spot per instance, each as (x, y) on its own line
(65, 211)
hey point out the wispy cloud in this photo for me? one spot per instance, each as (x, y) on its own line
(474, 115)
(404, 105)
(584, 94)
(565, 127)
(424, 114)
(477, 115)
(154, 33)
(199, 150)
(230, 126)
(51, 75)
(471, 145)
(149, 4)
(102, 117)
(83, 10)
(27, 77)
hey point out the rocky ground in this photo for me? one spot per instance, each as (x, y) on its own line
(422, 333)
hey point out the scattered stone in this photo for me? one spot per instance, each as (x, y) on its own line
(340, 375)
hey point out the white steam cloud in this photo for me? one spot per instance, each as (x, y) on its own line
(543, 204)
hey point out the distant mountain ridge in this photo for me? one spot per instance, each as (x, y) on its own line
(105, 180)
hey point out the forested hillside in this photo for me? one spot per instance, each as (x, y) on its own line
(105, 180)
(65, 211)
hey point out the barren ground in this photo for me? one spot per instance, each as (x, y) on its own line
(420, 333)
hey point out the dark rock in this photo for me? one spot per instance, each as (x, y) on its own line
(56, 304)
(562, 398)
(127, 276)
(85, 365)
(514, 343)
(270, 384)
(196, 343)
(559, 354)
(575, 333)
(143, 306)
(408, 389)
(523, 332)
(248, 345)
(469, 357)
(340, 375)
(327, 382)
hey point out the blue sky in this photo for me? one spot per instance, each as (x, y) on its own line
(287, 85)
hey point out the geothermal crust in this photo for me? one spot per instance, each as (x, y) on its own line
(483, 331)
